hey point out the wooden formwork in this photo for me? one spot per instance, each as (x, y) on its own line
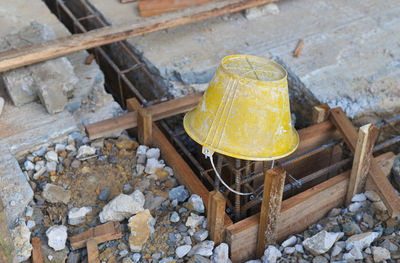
(297, 212)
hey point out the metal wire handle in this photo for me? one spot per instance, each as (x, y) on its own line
(208, 153)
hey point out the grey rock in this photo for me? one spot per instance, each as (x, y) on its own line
(28, 211)
(51, 156)
(74, 257)
(362, 240)
(289, 250)
(182, 251)
(289, 242)
(77, 215)
(321, 242)
(299, 248)
(337, 248)
(56, 194)
(194, 220)
(201, 235)
(221, 254)
(122, 207)
(1, 104)
(179, 193)
(85, 151)
(354, 254)
(198, 259)
(204, 248)
(57, 236)
(21, 239)
(30, 224)
(167, 260)
(152, 165)
(271, 255)
(153, 153)
(174, 217)
(52, 98)
(51, 166)
(359, 198)
(16, 192)
(29, 166)
(136, 257)
(319, 259)
(197, 203)
(372, 196)
(380, 254)
(153, 201)
(258, 11)
(59, 148)
(104, 194)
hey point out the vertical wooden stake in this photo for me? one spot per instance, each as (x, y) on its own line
(93, 251)
(144, 126)
(270, 208)
(37, 256)
(320, 113)
(215, 216)
(361, 162)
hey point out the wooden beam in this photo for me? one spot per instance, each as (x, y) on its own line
(382, 184)
(144, 122)
(216, 215)
(274, 181)
(93, 251)
(63, 46)
(155, 7)
(297, 213)
(102, 233)
(320, 113)
(361, 162)
(37, 256)
(128, 121)
(183, 173)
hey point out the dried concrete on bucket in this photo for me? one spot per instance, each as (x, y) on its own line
(349, 59)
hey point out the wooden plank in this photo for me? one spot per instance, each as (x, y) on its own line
(382, 185)
(129, 120)
(145, 123)
(93, 251)
(274, 180)
(297, 213)
(361, 162)
(102, 233)
(320, 113)
(155, 7)
(183, 173)
(37, 256)
(63, 46)
(216, 215)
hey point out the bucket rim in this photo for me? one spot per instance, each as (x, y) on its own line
(262, 59)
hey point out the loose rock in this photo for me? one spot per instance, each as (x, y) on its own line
(380, 254)
(56, 194)
(194, 220)
(85, 151)
(362, 240)
(51, 156)
(197, 203)
(271, 254)
(321, 242)
(181, 251)
(57, 236)
(77, 215)
(141, 226)
(204, 248)
(221, 254)
(122, 207)
(21, 239)
(179, 193)
(289, 242)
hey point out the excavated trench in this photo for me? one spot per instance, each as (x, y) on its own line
(127, 75)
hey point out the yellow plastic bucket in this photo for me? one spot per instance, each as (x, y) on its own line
(245, 111)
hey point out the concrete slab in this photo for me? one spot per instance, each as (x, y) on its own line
(350, 56)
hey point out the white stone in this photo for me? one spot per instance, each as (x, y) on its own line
(152, 165)
(355, 253)
(299, 248)
(30, 224)
(182, 251)
(289, 250)
(321, 242)
(39, 165)
(372, 196)
(59, 148)
(21, 238)
(29, 166)
(204, 249)
(153, 153)
(359, 198)
(337, 248)
(122, 207)
(77, 215)
(39, 173)
(51, 166)
(194, 220)
(380, 254)
(174, 218)
(289, 242)
(51, 156)
(354, 207)
(201, 235)
(85, 151)
(28, 211)
(139, 168)
(1, 104)
(141, 154)
(179, 193)
(362, 240)
(57, 236)
(70, 148)
(221, 254)
(271, 255)
(197, 203)
(380, 206)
